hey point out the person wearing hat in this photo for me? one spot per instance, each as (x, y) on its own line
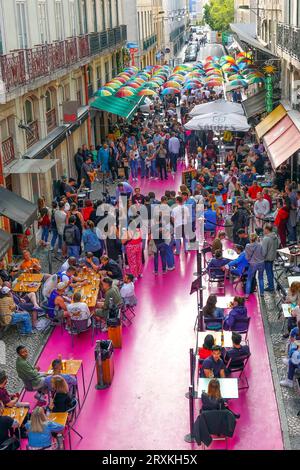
(57, 302)
(9, 314)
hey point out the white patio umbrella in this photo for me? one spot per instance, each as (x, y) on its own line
(218, 122)
(219, 106)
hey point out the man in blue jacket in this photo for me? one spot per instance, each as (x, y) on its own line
(210, 220)
(240, 264)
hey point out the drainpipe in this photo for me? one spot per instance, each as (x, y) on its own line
(86, 88)
(5, 219)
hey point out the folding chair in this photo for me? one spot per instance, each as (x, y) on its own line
(205, 251)
(239, 365)
(216, 278)
(242, 326)
(79, 326)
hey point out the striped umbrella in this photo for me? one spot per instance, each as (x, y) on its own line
(214, 82)
(170, 91)
(124, 93)
(172, 84)
(110, 89)
(235, 76)
(113, 85)
(147, 92)
(103, 93)
(133, 85)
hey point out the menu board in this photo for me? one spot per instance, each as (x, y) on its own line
(188, 176)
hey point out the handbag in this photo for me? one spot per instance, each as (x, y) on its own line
(152, 249)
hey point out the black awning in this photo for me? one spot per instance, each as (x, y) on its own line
(17, 208)
(6, 242)
(254, 105)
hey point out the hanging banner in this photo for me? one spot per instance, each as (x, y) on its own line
(269, 93)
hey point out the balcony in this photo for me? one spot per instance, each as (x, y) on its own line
(288, 39)
(8, 151)
(32, 136)
(149, 42)
(21, 67)
(51, 120)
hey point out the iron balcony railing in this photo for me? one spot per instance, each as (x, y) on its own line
(23, 66)
(288, 39)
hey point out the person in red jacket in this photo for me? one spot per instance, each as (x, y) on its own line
(205, 351)
(267, 196)
(281, 221)
(254, 190)
(44, 223)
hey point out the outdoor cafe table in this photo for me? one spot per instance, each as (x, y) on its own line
(224, 302)
(230, 254)
(71, 367)
(29, 277)
(287, 251)
(229, 387)
(60, 418)
(89, 292)
(27, 286)
(292, 279)
(19, 414)
(217, 337)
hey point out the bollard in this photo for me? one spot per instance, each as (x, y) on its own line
(189, 437)
(99, 371)
(114, 325)
(192, 371)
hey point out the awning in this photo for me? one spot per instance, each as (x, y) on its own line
(17, 208)
(45, 146)
(270, 121)
(282, 141)
(254, 105)
(6, 242)
(247, 33)
(124, 107)
(29, 166)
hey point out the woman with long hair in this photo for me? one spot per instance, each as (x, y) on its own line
(132, 239)
(205, 351)
(210, 310)
(212, 400)
(61, 401)
(40, 430)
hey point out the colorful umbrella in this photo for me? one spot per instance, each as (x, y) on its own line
(235, 76)
(213, 83)
(152, 85)
(123, 93)
(147, 92)
(253, 74)
(103, 93)
(192, 86)
(256, 80)
(110, 89)
(243, 59)
(170, 91)
(172, 84)
(133, 85)
(227, 58)
(245, 54)
(113, 85)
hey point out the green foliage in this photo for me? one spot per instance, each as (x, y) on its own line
(218, 14)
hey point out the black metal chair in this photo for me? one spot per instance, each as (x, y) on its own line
(210, 323)
(239, 365)
(242, 326)
(282, 294)
(205, 250)
(215, 277)
(79, 326)
(72, 415)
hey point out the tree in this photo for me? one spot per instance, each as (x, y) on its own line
(218, 14)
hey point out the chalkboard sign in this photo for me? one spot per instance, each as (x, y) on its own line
(188, 176)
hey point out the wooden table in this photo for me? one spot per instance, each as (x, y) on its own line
(19, 414)
(71, 367)
(217, 337)
(292, 279)
(230, 254)
(287, 251)
(229, 387)
(28, 277)
(286, 310)
(89, 292)
(224, 302)
(60, 418)
(24, 287)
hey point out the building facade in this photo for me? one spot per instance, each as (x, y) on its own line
(53, 52)
(288, 49)
(176, 19)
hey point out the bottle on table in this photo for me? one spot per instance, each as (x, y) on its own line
(222, 338)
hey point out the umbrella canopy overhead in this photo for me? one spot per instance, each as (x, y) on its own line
(218, 106)
(236, 84)
(216, 121)
(147, 92)
(170, 91)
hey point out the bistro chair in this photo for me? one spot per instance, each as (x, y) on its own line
(242, 326)
(5, 328)
(216, 278)
(72, 416)
(238, 365)
(79, 326)
(213, 324)
(58, 319)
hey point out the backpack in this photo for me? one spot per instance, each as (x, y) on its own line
(69, 235)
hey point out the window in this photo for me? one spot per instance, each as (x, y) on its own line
(99, 77)
(28, 111)
(107, 77)
(110, 14)
(103, 15)
(58, 11)
(22, 25)
(94, 10)
(66, 92)
(82, 16)
(117, 13)
(72, 14)
(48, 101)
(43, 21)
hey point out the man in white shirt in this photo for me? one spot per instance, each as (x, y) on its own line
(72, 261)
(60, 220)
(261, 209)
(127, 290)
(174, 147)
(79, 310)
(180, 219)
